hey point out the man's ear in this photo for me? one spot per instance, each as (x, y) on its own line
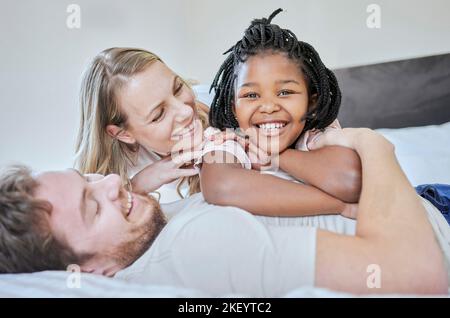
(120, 134)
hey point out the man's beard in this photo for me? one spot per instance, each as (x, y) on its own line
(128, 252)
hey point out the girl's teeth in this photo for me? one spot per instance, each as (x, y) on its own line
(272, 126)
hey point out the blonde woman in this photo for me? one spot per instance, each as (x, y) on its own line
(135, 113)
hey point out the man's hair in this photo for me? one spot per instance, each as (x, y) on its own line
(26, 240)
(261, 37)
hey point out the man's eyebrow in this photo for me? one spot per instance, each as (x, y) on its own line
(82, 206)
(174, 82)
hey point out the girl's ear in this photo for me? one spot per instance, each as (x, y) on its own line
(233, 108)
(312, 103)
(120, 134)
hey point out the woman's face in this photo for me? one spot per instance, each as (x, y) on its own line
(160, 111)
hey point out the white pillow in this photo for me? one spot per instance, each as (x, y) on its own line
(423, 152)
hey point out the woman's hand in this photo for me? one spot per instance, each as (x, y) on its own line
(162, 172)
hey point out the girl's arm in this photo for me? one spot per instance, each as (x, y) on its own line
(335, 170)
(261, 194)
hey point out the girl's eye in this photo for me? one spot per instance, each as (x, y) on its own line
(159, 116)
(285, 93)
(251, 95)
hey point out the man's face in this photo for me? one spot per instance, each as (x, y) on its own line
(95, 215)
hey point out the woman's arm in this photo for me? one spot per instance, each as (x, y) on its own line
(334, 170)
(261, 194)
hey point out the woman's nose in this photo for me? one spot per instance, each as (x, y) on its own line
(182, 111)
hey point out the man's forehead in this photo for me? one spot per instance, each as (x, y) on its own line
(55, 184)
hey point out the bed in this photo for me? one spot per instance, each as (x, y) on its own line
(407, 101)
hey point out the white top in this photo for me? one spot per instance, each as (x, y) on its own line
(225, 250)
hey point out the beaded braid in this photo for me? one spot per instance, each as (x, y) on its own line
(262, 36)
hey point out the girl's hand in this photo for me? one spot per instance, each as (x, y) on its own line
(258, 157)
(162, 172)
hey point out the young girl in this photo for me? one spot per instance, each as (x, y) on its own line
(277, 90)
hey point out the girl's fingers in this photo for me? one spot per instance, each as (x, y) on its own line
(257, 154)
(224, 136)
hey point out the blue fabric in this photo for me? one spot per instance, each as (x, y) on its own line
(438, 195)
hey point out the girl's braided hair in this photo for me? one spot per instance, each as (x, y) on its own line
(263, 36)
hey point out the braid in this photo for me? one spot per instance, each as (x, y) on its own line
(262, 36)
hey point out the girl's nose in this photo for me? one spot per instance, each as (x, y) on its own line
(269, 107)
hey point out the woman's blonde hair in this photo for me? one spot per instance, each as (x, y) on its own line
(96, 150)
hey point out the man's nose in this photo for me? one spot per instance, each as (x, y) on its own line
(111, 185)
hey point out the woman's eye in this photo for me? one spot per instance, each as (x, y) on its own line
(179, 87)
(158, 117)
(97, 209)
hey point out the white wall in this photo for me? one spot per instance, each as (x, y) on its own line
(41, 60)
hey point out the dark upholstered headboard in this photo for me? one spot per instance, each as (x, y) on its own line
(413, 92)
